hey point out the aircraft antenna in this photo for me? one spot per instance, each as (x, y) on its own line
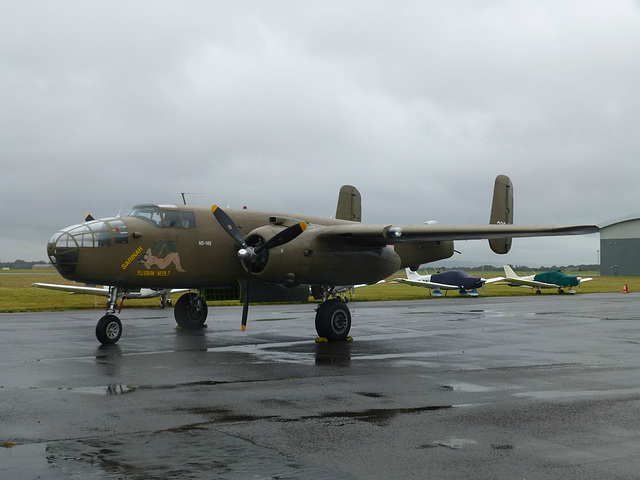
(121, 205)
(184, 199)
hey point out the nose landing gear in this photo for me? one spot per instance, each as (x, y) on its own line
(109, 329)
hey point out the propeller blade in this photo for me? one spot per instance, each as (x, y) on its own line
(228, 224)
(249, 254)
(245, 306)
(283, 237)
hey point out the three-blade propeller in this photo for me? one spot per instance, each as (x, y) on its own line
(251, 254)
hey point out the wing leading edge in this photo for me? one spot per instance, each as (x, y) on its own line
(391, 234)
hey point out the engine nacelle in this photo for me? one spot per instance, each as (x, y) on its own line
(311, 260)
(281, 265)
(415, 254)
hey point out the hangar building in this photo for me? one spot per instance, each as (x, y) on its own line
(620, 246)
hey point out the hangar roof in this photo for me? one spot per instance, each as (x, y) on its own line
(615, 221)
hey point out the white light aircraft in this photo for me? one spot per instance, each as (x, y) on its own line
(552, 279)
(466, 284)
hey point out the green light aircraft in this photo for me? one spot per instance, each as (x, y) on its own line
(259, 256)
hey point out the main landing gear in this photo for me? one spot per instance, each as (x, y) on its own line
(333, 318)
(190, 312)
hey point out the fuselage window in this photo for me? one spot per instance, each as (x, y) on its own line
(120, 234)
(149, 213)
(188, 220)
(103, 238)
(85, 240)
(171, 218)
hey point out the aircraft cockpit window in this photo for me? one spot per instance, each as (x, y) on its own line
(150, 213)
(188, 220)
(171, 218)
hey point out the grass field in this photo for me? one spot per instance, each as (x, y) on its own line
(17, 295)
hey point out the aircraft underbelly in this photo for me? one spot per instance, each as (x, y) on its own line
(351, 266)
(414, 254)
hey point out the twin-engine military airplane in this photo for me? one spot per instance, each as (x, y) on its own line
(260, 256)
(467, 285)
(552, 279)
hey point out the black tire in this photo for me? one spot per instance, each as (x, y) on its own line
(333, 320)
(108, 329)
(190, 311)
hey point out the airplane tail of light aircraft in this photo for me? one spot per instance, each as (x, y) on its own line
(164, 294)
(466, 284)
(263, 256)
(552, 279)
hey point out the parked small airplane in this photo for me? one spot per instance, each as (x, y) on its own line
(164, 293)
(259, 256)
(466, 284)
(552, 279)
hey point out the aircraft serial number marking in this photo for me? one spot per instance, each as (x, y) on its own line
(206, 243)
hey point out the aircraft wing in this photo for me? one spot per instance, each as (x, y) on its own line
(529, 283)
(495, 280)
(104, 291)
(425, 284)
(391, 234)
(74, 289)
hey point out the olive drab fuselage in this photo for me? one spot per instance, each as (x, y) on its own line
(185, 247)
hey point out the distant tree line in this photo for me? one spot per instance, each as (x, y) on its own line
(20, 265)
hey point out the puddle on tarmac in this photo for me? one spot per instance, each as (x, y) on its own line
(191, 452)
(455, 443)
(467, 387)
(27, 462)
(116, 389)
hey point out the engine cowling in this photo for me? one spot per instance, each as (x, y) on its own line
(280, 265)
(311, 260)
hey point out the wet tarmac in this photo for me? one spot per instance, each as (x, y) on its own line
(502, 388)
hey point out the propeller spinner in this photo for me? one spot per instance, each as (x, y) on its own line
(250, 254)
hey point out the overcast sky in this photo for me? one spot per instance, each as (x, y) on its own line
(276, 104)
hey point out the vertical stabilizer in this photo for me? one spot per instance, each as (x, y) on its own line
(508, 272)
(349, 204)
(501, 212)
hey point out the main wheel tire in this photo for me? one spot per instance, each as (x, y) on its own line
(190, 311)
(108, 329)
(333, 320)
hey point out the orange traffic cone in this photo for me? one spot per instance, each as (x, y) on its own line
(625, 289)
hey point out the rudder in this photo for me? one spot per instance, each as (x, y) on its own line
(349, 204)
(501, 212)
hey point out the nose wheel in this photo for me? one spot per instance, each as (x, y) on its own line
(109, 329)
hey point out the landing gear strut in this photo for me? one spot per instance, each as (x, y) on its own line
(109, 327)
(190, 310)
(333, 318)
